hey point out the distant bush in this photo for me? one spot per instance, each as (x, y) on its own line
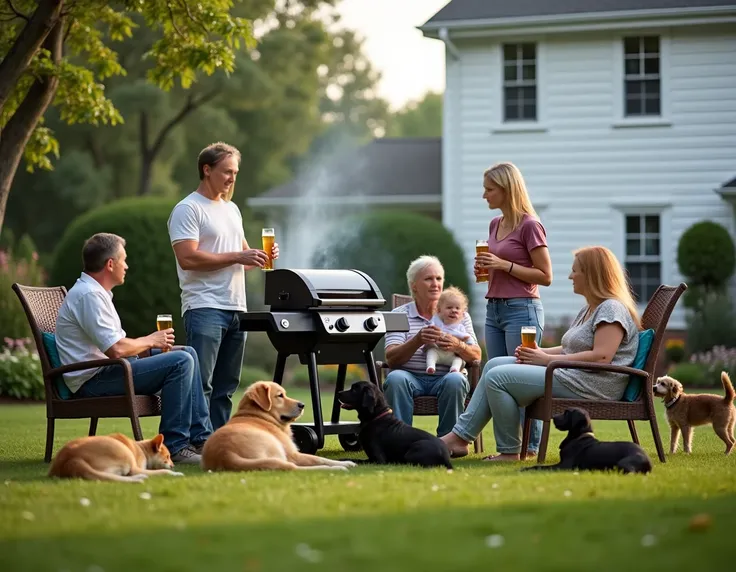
(20, 370)
(383, 243)
(690, 375)
(18, 263)
(249, 375)
(675, 350)
(712, 324)
(299, 376)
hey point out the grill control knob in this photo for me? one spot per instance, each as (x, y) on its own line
(341, 325)
(370, 324)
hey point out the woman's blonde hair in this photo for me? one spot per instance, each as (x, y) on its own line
(509, 178)
(453, 292)
(605, 279)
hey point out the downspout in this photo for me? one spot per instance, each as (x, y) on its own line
(451, 48)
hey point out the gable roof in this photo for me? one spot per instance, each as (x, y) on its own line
(495, 10)
(730, 184)
(388, 171)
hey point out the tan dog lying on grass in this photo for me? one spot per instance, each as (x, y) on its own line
(258, 436)
(687, 411)
(113, 458)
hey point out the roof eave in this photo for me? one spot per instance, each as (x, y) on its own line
(349, 201)
(587, 20)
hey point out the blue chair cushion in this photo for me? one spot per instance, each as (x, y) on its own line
(634, 387)
(49, 342)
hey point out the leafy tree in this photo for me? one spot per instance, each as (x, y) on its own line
(421, 118)
(55, 51)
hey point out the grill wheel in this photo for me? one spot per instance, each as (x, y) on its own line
(305, 439)
(349, 442)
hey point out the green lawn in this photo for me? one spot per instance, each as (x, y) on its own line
(480, 517)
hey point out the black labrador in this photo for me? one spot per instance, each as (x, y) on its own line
(386, 439)
(582, 451)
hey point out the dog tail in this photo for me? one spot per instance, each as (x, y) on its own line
(728, 386)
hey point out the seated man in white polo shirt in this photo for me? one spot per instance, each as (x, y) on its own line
(88, 328)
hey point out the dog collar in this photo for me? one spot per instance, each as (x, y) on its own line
(588, 434)
(383, 414)
(669, 404)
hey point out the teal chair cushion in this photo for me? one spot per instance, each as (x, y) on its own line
(49, 342)
(634, 387)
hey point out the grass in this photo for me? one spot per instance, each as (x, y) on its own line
(370, 518)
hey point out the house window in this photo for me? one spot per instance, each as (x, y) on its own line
(520, 82)
(643, 254)
(642, 76)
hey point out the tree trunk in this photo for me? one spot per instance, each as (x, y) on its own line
(147, 157)
(26, 45)
(19, 128)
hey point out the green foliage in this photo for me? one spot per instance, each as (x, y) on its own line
(20, 370)
(384, 243)
(713, 324)
(675, 350)
(151, 285)
(706, 256)
(18, 263)
(299, 375)
(690, 375)
(421, 118)
(250, 374)
(713, 362)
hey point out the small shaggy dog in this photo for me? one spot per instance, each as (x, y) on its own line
(686, 411)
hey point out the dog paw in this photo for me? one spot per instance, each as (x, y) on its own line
(176, 474)
(139, 478)
(339, 468)
(349, 464)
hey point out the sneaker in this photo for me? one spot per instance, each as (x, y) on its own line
(198, 447)
(187, 456)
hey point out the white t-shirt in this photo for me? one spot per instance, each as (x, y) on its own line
(218, 227)
(87, 325)
(458, 330)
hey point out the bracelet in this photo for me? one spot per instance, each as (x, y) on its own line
(511, 267)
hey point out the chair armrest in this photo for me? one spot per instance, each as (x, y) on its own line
(124, 363)
(473, 373)
(562, 364)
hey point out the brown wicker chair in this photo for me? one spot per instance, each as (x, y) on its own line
(41, 306)
(428, 405)
(656, 315)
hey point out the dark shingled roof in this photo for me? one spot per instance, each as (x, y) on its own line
(383, 168)
(458, 10)
(730, 184)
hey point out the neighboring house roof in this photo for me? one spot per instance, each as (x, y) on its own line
(730, 184)
(389, 171)
(485, 10)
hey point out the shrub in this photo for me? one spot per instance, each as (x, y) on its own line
(18, 263)
(20, 370)
(714, 361)
(712, 324)
(249, 375)
(299, 375)
(151, 285)
(382, 244)
(706, 257)
(690, 374)
(675, 350)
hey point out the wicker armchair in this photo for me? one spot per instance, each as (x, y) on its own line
(428, 405)
(656, 315)
(41, 306)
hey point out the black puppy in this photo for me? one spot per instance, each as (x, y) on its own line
(581, 450)
(384, 438)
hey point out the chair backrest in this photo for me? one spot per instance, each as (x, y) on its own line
(656, 315)
(399, 300)
(41, 306)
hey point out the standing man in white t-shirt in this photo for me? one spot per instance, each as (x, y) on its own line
(212, 255)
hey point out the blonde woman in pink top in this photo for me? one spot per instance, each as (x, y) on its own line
(518, 263)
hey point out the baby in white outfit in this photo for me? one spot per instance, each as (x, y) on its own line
(451, 309)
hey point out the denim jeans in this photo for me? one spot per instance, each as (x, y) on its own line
(504, 319)
(451, 389)
(184, 416)
(509, 385)
(220, 345)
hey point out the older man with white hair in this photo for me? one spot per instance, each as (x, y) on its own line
(406, 351)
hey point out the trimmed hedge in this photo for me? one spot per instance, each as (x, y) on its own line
(383, 243)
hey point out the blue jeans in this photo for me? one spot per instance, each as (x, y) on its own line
(220, 345)
(451, 389)
(503, 387)
(184, 417)
(504, 319)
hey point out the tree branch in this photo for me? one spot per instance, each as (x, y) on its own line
(29, 40)
(191, 16)
(191, 105)
(173, 22)
(18, 14)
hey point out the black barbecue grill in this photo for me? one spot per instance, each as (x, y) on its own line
(324, 317)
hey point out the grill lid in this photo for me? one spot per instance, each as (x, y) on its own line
(303, 289)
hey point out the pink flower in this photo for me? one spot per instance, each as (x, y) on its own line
(34, 255)
(10, 342)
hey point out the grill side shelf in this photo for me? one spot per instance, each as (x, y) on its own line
(396, 321)
(277, 322)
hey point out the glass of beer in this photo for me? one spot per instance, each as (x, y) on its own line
(164, 322)
(481, 246)
(529, 336)
(268, 237)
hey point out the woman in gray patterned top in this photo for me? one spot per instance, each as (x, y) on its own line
(604, 331)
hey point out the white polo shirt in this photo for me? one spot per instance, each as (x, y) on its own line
(88, 325)
(218, 227)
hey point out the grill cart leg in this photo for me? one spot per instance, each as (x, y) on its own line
(371, 363)
(342, 371)
(319, 428)
(278, 374)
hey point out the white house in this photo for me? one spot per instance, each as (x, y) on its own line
(621, 115)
